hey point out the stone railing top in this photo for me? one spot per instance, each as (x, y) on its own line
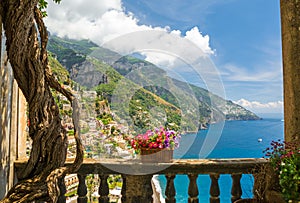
(178, 166)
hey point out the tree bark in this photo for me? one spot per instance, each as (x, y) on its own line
(26, 49)
(290, 29)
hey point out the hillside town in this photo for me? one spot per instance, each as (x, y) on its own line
(102, 137)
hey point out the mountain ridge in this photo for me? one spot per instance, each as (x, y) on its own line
(101, 69)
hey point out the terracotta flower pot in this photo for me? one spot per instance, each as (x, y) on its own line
(156, 155)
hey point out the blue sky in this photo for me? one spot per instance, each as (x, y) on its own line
(242, 37)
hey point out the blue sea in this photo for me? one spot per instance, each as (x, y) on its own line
(237, 139)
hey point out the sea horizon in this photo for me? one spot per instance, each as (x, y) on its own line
(279, 115)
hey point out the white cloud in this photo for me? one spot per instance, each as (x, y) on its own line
(201, 41)
(102, 21)
(160, 59)
(176, 32)
(76, 9)
(258, 107)
(172, 61)
(98, 25)
(269, 72)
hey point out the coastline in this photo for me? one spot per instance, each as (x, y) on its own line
(157, 191)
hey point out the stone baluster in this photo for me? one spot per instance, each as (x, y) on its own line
(214, 188)
(148, 197)
(123, 191)
(170, 189)
(82, 189)
(193, 189)
(63, 190)
(103, 189)
(236, 190)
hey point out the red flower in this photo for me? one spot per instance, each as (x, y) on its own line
(158, 138)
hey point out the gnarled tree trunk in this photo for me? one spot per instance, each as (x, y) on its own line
(26, 49)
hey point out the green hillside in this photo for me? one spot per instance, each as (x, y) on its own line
(139, 92)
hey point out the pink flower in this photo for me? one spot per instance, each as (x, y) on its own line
(158, 138)
(145, 137)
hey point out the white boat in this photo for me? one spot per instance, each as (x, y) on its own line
(259, 140)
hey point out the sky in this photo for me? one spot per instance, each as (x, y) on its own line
(241, 37)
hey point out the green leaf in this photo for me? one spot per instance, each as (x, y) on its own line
(43, 4)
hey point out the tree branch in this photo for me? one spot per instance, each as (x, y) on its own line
(23, 27)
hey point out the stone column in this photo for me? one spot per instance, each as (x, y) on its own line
(13, 132)
(139, 189)
(290, 28)
(22, 126)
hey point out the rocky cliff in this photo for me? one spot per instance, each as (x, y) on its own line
(101, 69)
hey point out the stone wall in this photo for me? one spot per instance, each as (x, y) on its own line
(12, 123)
(6, 85)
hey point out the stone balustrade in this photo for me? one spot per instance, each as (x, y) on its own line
(137, 177)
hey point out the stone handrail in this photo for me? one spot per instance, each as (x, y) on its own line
(137, 177)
